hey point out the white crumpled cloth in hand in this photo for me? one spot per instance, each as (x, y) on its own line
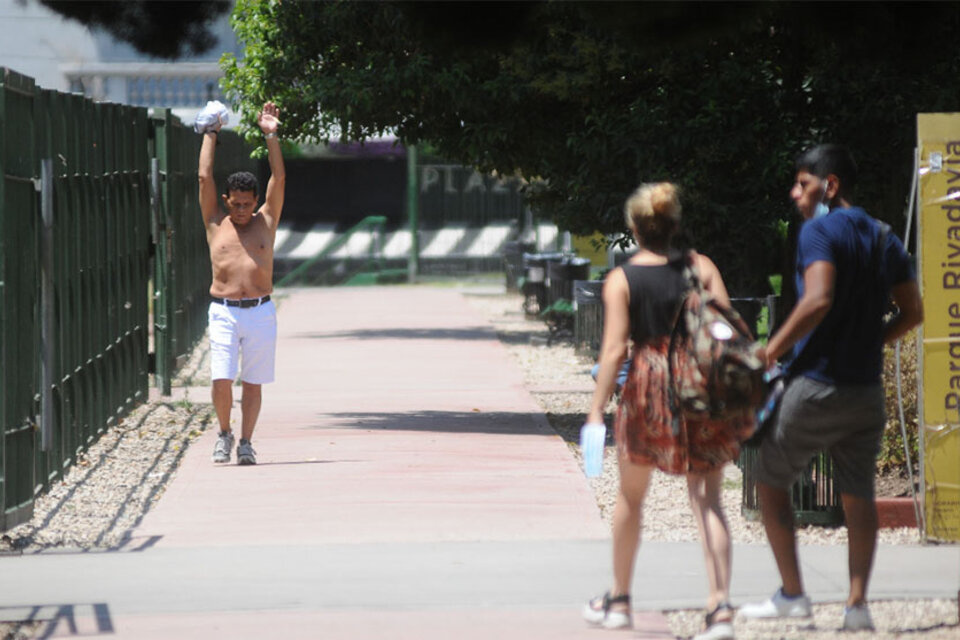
(211, 117)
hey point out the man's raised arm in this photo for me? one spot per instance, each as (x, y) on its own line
(273, 203)
(208, 187)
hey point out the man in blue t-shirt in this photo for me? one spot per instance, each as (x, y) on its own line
(849, 268)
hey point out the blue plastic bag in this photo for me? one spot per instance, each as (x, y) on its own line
(593, 437)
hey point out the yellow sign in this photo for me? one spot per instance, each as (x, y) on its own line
(938, 241)
(593, 247)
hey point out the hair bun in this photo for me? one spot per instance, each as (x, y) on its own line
(653, 212)
(663, 199)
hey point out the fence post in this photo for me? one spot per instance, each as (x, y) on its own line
(161, 293)
(47, 338)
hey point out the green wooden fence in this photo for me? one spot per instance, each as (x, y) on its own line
(90, 195)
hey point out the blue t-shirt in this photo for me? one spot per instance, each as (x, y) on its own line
(847, 346)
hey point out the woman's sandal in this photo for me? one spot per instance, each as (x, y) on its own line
(598, 611)
(717, 630)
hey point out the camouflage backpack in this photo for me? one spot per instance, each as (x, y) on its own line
(715, 373)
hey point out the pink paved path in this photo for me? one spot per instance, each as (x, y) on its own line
(396, 417)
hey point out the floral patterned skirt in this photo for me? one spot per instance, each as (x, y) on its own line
(643, 423)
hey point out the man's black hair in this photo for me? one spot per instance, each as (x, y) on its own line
(826, 159)
(242, 181)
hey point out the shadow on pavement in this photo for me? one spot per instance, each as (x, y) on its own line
(465, 333)
(443, 421)
(46, 620)
(111, 528)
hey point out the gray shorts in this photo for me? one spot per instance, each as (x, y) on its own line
(846, 421)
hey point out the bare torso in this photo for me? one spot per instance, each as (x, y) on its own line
(241, 257)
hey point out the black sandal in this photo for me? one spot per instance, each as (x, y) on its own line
(722, 630)
(723, 606)
(598, 611)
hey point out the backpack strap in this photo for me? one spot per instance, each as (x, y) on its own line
(672, 386)
(877, 265)
(677, 333)
(690, 273)
(879, 262)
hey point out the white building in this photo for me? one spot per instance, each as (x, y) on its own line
(65, 55)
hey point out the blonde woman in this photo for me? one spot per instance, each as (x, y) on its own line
(641, 300)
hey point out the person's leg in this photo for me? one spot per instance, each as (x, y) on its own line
(797, 436)
(789, 601)
(224, 361)
(704, 490)
(258, 345)
(613, 609)
(776, 512)
(250, 408)
(628, 521)
(861, 516)
(222, 396)
(855, 468)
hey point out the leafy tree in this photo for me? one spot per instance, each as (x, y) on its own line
(163, 29)
(587, 100)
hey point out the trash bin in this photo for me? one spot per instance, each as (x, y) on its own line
(513, 262)
(588, 317)
(560, 277)
(814, 497)
(534, 287)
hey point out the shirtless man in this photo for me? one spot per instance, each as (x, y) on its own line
(241, 315)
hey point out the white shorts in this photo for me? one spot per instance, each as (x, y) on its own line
(249, 333)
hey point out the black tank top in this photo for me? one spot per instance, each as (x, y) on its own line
(656, 292)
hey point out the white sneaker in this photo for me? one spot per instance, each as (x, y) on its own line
(598, 612)
(221, 450)
(245, 453)
(779, 606)
(857, 618)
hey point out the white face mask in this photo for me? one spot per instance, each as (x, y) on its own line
(822, 208)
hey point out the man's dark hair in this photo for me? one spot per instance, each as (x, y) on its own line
(242, 181)
(825, 159)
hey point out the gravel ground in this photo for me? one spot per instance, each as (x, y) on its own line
(559, 379)
(113, 484)
(106, 494)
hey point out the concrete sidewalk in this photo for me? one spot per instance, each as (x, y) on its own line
(407, 487)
